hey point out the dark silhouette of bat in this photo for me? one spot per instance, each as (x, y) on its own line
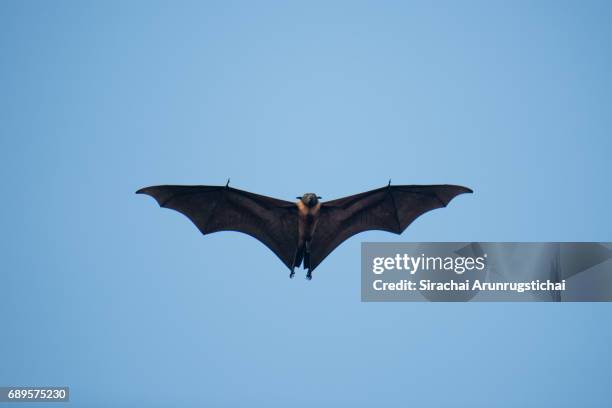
(307, 231)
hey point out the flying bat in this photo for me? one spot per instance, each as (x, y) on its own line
(307, 231)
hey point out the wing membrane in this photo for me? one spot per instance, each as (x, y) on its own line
(390, 209)
(214, 208)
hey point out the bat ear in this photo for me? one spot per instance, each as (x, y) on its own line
(299, 198)
(319, 197)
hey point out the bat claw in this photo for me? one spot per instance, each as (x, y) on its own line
(309, 276)
(291, 275)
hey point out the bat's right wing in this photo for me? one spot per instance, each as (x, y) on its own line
(390, 208)
(216, 208)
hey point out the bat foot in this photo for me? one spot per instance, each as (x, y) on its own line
(291, 275)
(309, 275)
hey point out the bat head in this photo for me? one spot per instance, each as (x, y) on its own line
(309, 199)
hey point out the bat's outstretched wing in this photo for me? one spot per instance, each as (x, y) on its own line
(390, 208)
(212, 208)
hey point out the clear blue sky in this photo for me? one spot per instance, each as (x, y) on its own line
(129, 305)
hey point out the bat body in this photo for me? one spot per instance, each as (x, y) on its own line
(307, 231)
(309, 208)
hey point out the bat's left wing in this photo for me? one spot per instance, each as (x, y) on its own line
(216, 208)
(390, 208)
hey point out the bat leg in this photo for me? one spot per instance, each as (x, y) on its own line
(307, 261)
(297, 260)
